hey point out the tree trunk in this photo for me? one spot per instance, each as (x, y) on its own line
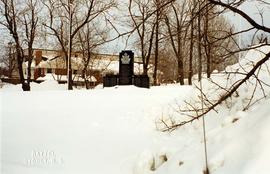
(156, 58)
(30, 58)
(25, 86)
(190, 72)
(69, 68)
(207, 43)
(20, 57)
(156, 45)
(180, 71)
(145, 70)
(199, 44)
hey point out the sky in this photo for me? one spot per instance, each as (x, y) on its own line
(253, 9)
(250, 7)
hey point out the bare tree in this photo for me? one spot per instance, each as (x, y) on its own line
(207, 43)
(199, 40)
(30, 22)
(195, 111)
(144, 24)
(9, 60)
(178, 32)
(190, 65)
(182, 33)
(63, 25)
(158, 18)
(89, 39)
(21, 20)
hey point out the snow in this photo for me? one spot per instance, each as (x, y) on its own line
(114, 130)
(48, 77)
(88, 137)
(76, 77)
(48, 85)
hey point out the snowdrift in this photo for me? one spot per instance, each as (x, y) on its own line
(114, 130)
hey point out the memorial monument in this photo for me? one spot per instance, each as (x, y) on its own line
(126, 73)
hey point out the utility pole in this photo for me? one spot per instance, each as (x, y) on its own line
(69, 70)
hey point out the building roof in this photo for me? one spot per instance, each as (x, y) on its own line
(104, 63)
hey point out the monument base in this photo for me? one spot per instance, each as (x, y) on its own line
(137, 80)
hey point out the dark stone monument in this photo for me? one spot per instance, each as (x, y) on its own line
(126, 73)
(126, 67)
(110, 80)
(141, 81)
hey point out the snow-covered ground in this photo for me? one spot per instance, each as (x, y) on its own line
(95, 131)
(114, 130)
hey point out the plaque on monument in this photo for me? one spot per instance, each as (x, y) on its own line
(126, 66)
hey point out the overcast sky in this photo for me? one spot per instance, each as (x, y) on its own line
(250, 7)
